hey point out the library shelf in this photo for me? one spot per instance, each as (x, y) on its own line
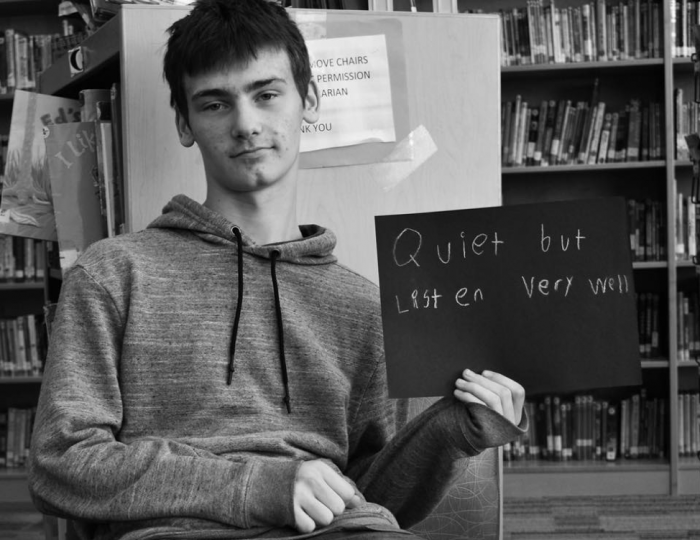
(649, 265)
(13, 473)
(24, 379)
(569, 479)
(568, 67)
(100, 52)
(655, 363)
(21, 285)
(626, 165)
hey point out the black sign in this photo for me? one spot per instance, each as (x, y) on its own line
(543, 293)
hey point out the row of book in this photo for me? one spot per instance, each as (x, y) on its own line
(649, 324)
(689, 424)
(686, 228)
(567, 133)
(686, 122)
(688, 305)
(15, 436)
(22, 346)
(24, 56)
(647, 229)
(685, 14)
(21, 259)
(585, 428)
(595, 31)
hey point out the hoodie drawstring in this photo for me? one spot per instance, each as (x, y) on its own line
(239, 305)
(278, 311)
(280, 330)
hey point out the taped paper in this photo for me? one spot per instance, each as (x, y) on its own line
(408, 155)
(67, 257)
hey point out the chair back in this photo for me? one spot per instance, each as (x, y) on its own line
(473, 506)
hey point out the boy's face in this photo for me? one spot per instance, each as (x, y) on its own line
(246, 121)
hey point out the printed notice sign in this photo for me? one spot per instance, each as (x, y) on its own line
(543, 293)
(352, 74)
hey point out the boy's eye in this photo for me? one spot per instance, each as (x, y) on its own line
(267, 96)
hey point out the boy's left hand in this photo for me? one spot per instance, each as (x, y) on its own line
(496, 391)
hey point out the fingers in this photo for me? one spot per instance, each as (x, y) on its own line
(320, 494)
(494, 390)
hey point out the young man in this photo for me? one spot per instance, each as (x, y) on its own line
(219, 375)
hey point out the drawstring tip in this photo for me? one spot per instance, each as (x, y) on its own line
(229, 377)
(288, 403)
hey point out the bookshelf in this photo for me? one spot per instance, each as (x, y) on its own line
(118, 59)
(19, 296)
(661, 178)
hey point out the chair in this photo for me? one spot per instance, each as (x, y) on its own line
(473, 506)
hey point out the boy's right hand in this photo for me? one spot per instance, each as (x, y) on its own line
(320, 494)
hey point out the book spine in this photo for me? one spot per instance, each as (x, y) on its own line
(595, 134)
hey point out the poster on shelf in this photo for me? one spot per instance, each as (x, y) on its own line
(25, 206)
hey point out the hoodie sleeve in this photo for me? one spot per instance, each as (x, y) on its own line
(411, 473)
(79, 468)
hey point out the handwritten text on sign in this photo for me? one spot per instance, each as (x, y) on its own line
(352, 75)
(542, 293)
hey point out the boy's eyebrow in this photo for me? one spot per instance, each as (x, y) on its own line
(250, 87)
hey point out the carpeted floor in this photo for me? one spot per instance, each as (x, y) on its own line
(20, 521)
(575, 518)
(604, 518)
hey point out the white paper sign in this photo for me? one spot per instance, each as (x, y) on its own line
(352, 75)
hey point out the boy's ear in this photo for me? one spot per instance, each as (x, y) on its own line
(312, 103)
(183, 129)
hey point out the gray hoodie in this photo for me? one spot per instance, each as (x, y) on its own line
(191, 372)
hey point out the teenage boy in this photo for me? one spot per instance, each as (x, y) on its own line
(220, 375)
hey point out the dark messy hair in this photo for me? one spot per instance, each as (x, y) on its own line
(218, 33)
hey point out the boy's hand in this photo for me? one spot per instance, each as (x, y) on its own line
(494, 390)
(320, 494)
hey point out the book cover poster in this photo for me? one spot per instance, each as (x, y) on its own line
(72, 163)
(25, 208)
(543, 293)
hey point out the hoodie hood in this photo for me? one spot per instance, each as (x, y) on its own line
(183, 213)
(314, 248)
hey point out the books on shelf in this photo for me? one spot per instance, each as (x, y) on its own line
(21, 259)
(15, 435)
(688, 306)
(688, 424)
(649, 324)
(603, 30)
(23, 56)
(581, 133)
(684, 16)
(585, 428)
(647, 229)
(687, 228)
(22, 347)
